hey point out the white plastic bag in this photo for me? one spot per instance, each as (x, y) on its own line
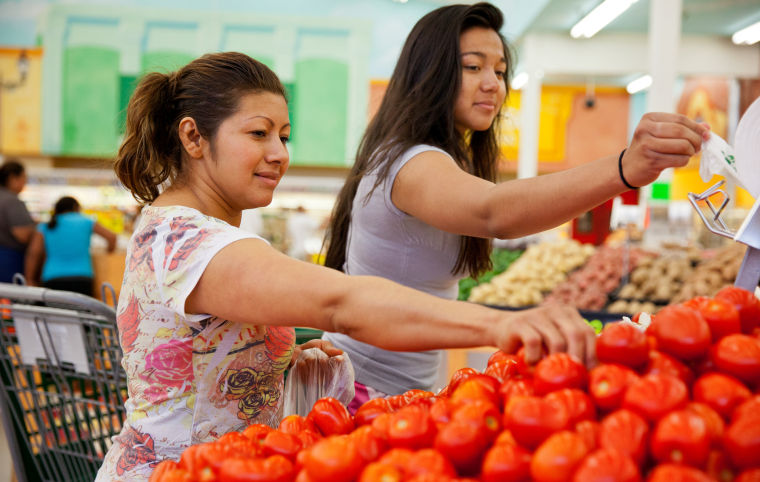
(316, 375)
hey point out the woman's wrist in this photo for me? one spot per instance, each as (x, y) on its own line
(620, 171)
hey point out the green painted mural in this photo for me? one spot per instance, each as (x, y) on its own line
(319, 114)
(95, 56)
(90, 85)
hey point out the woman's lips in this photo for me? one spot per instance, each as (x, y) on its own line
(268, 178)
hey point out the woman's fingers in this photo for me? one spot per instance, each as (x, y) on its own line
(558, 328)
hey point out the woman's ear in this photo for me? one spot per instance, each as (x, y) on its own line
(190, 137)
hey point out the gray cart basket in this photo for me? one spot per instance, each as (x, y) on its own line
(63, 387)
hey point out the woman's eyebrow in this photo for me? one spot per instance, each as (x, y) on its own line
(481, 55)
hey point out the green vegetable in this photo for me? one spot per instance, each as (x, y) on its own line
(501, 259)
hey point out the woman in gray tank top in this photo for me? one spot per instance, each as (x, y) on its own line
(421, 204)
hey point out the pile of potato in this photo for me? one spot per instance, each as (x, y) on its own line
(536, 272)
(653, 283)
(588, 288)
(713, 273)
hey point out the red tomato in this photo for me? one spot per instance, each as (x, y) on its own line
(380, 425)
(429, 461)
(293, 424)
(557, 371)
(589, 432)
(257, 432)
(459, 376)
(681, 331)
(411, 427)
(719, 466)
(398, 458)
(721, 392)
(162, 470)
(721, 316)
(498, 356)
(281, 443)
(605, 465)
(738, 355)
(416, 393)
(506, 369)
(177, 475)
(652, 396)
(746, 303)
(742, 442)
(557, 457)
(334, 459)
(369, 445)
(515, 386)
(370, 410)
(748, 408)
(677, 473)
(622, 343)
(505, 437)
(751, 475)
(377, 472)
(483, 415)
(663, 363)
(681, 437)
(308, 437)
(441, 410)
(396, 401)
(463, 443)
(477, 387)
(578, 405)
(608, 383)
(331, 417)
(713, 421)
(626, 432)
(532, 419)
(272, 469)
(505, 462)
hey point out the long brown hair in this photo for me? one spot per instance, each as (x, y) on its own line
(208, 89)
(418, 108)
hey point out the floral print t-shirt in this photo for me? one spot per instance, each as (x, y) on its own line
(192, 378)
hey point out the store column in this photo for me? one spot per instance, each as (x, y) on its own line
(664, 40)
(530, 110)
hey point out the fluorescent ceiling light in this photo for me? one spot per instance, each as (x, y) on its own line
(747, 35)
(519, 81)
(604, 13)
(639, 84)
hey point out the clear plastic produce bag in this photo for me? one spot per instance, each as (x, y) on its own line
(316, 375)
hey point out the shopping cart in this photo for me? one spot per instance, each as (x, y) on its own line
(63, 387)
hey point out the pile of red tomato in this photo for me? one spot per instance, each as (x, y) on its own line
(680, 402)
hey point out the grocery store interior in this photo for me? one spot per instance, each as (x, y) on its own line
(68, 69)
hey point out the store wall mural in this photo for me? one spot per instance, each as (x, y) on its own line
(94, 57)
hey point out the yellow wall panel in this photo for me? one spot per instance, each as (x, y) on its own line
(20, 106)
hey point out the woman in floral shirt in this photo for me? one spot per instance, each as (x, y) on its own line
(206, 310)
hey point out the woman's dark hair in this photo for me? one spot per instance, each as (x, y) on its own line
(418, 108)
(66, 204)
(10, 168)
(208, 89)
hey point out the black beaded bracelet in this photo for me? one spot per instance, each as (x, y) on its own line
(620, 170)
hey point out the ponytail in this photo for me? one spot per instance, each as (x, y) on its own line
(336, 238)
(150, 154)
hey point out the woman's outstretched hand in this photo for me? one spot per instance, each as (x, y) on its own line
(661, 140)
(552, 327)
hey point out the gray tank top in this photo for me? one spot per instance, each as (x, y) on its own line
(383, 241)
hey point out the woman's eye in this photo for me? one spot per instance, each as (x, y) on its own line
(259, 133)
(474, 68)
(284, 139)
(500, 73)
